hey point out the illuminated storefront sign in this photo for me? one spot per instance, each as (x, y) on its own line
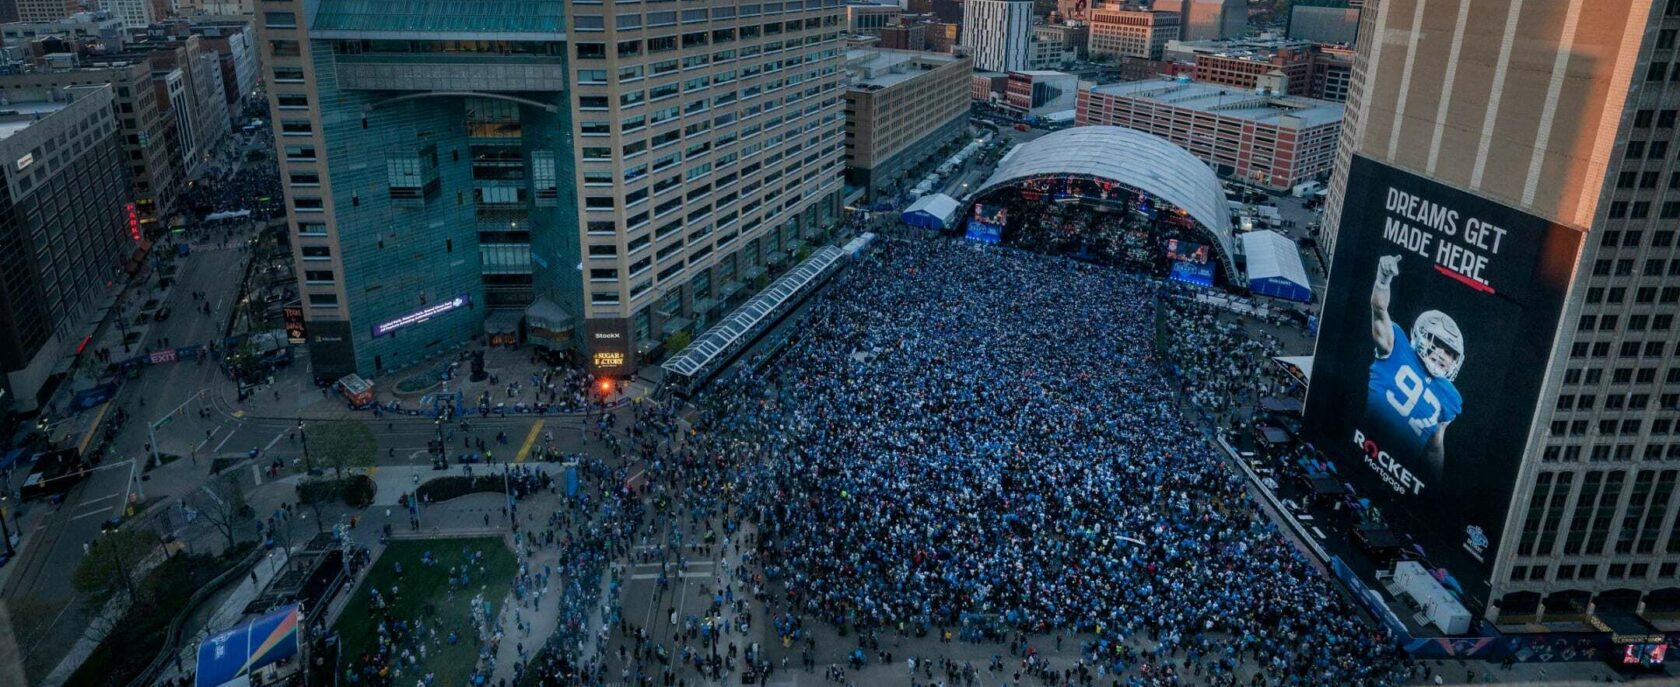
(133, 221)
(421, 315)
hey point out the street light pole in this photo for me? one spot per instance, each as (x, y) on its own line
(6, 532)
(151, 429)
(308, 468)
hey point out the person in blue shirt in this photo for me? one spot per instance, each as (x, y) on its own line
(1411, 393)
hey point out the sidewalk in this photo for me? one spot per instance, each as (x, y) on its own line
(299, 397)
(221, 612)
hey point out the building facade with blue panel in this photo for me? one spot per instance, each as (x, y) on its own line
(423, 152)
(606, 180)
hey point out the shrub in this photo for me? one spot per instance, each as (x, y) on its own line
(356, 491)
(445, 488)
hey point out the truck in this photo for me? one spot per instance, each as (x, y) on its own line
(54, 473)
(1306, 188)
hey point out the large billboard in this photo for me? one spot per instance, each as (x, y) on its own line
(1439, 319)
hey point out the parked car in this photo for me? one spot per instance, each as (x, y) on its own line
(162, 314)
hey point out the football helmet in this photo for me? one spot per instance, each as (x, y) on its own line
(1434, 329)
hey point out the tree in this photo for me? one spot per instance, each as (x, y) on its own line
(223, 505)
(675, 343)
(245, 362)
(25, 617)
(113, 566)
(344, 443)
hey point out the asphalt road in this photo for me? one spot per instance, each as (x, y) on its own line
(42, 581)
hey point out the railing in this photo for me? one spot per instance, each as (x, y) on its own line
(173, 636)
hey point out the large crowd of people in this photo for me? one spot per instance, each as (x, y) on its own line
(966, 444)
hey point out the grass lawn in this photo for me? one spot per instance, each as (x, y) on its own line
(427, 587)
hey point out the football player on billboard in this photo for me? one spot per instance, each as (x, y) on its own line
(1411, 389)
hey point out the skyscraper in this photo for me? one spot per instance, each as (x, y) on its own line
(998, 34)
(1131, 33)
(1502, 218)
(1206, 20)
(595, 175)
(65, 236)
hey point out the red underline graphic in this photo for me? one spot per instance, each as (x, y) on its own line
(1484, 288)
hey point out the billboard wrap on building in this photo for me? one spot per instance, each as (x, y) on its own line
(1439, 319)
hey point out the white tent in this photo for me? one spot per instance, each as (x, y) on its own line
(932, 211)
(1274, 266)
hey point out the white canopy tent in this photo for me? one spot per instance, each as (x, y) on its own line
(932, 211)
(1274, 266)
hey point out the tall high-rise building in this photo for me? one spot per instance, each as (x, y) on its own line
(1502, 219)
(1207, 20)
(64, 236)
(1073, 10)
(135, 14)
(998, 33)
(603, 173)
(902, 107)
(145, 129)
(1131, 33)
(45, 10)
(864, 18)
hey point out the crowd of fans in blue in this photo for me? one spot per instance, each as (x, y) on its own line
(981, 444)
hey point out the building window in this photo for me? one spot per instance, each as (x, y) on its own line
(412, 175)
(280, 20)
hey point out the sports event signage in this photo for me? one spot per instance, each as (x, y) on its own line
(1438, 322)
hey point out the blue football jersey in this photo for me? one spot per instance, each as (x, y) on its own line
(1410, 404)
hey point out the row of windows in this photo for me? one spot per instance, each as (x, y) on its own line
(1589, 571)
(1654, 267)
(698, 39)
(1593, 376)
(1632, 237)
(1623, 401)
(609, 298)
(1629, 349)
(1649, 150)
(1605, 453)
(1635, 323)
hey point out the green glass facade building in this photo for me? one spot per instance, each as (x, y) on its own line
(587, 177)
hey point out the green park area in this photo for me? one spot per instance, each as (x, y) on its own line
(423, 594)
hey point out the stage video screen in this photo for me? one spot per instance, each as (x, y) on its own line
(1192, 263)
(986, 226)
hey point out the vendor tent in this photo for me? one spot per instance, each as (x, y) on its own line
(1274, 266)
(932, 211)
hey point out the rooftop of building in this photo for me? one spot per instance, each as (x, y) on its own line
(1227, 101)
(15, 117)
(878, 68)
(1262, 47)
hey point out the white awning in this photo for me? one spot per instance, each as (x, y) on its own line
(931, 210)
